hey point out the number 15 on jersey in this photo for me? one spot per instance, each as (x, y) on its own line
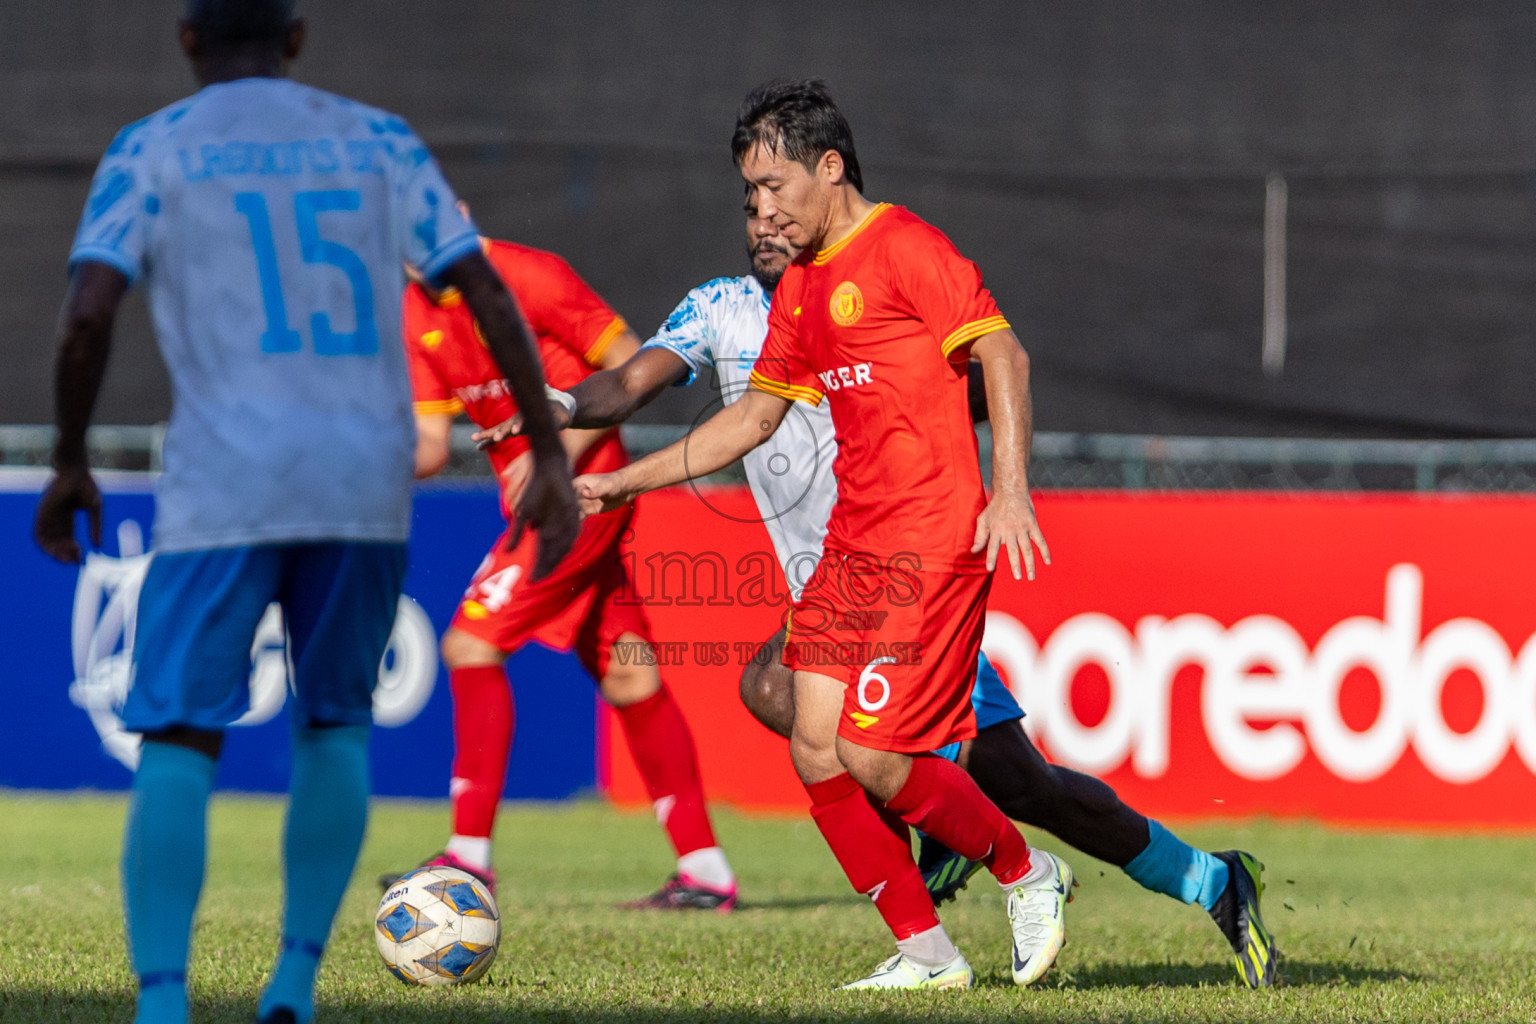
(307, 208)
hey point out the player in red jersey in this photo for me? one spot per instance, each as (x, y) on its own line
(580, 605)
(879, 315)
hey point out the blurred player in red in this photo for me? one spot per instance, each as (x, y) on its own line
(878, 316)
(580, 605)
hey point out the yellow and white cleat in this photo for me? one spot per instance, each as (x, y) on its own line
(1037, 913)
(901, 972)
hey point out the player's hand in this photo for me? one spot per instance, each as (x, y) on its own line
(71, 490)
(514, 425)
(1008, 522)
(602, 492)
(514, 479)
(547, 506)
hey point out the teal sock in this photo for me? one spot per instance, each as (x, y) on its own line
(164, 847)
(327, 814)
(1174, 868)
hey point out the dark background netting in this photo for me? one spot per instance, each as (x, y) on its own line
(1103, 160)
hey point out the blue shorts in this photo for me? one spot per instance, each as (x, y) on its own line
(990, 700)
(197, 618)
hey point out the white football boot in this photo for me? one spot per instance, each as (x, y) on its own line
(1037, 912)
(901, 972)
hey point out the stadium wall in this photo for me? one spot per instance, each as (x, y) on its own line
(1360, 658)
(1104, 161)
(1351, 658)
(63, 673)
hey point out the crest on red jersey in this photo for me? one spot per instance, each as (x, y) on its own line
(847, 304)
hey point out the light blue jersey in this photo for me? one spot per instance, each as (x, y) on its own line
(269, 221)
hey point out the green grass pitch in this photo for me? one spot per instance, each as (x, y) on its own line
(1372, 927)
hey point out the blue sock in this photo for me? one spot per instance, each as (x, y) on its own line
(327, 814)
(164, 845)
(1174, 868)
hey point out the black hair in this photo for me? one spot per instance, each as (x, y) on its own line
(797, 119)
(238, 22)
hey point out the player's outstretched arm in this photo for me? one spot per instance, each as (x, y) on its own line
(85, 339)
(1009, 518)
(608, 397)
(721, 440)
(548, 503)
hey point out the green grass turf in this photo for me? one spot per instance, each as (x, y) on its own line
(1372, 927)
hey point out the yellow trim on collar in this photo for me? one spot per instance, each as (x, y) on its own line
(826, 254)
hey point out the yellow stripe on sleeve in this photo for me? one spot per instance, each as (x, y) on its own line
(810, 396)
(972, 331)
(594, 356)
(438, 407)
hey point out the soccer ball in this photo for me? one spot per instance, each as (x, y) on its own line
(437, 926)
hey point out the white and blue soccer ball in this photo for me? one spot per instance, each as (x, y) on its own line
(438, 926)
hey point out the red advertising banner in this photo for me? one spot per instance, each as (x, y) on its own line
(1353, 658)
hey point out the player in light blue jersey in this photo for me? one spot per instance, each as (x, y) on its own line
(718, 331)
(269, 222)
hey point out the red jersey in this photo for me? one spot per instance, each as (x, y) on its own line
(881, 324)
(452, 371)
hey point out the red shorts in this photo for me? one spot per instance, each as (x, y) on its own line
(904, 641)
(586, 603)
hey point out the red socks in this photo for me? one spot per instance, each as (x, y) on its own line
(875, 851)
(663, 749)
(483, 719)
(872, 844)
(943, 801)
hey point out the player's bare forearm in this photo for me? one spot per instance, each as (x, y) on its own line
(609, 397)
(496, 312)
(1008, 523)
(1005, 368)
(85, 341)
(720, 441)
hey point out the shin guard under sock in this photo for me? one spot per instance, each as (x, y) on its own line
(662, 746)
(942, 800)
(164, 852)
(483, 721)
(327, 815)
(874, 849)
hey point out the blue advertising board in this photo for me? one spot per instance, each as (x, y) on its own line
(65, 632)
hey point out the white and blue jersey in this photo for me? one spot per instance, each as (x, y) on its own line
(269, 221)
(720, 326)
(719, 329)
